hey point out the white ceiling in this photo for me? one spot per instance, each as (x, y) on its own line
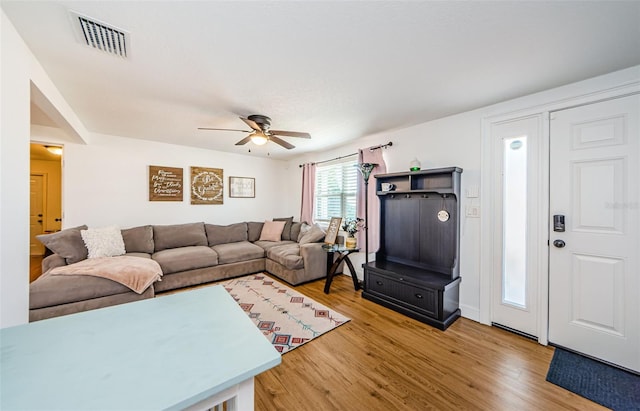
(338, 70)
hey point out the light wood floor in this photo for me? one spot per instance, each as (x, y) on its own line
(382, 360)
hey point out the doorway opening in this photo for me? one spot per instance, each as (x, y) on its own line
(45, 215)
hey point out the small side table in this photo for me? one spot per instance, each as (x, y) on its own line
(332, 266)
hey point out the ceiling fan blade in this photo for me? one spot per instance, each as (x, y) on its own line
(223, 129)
(290, 133)
(280, 141)
(243, 141)
(251, 124)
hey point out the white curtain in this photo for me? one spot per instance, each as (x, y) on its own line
(373, 225)
(308, 190)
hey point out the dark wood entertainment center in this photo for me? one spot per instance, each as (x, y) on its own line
(417, 268)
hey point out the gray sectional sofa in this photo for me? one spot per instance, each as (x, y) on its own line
(189, 255)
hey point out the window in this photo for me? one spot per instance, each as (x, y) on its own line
(336, 186)
(514, 271)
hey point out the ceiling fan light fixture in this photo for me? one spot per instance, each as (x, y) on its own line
(258, 138)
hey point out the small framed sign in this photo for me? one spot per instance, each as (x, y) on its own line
(242, 187)
(332, 230)
(165, 183)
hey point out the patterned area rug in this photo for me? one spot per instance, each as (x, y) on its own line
(287, 318)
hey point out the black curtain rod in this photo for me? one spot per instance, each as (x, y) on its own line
(389, 144)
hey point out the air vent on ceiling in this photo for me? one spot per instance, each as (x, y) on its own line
(100, 36)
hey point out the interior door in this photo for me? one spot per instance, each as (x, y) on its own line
(36, 213)
(593, 255)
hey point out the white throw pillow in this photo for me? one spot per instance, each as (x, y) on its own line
(103, 242)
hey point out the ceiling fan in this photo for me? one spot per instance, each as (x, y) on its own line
(261, 132)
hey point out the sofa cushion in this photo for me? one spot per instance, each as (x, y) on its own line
(138, 239)
(254, 228)
(178, 259)
(51, 290)
(179, 235)
(240, 251)
(272, 231)
(286, 231)
(287, 255)
(223, 234)
(266, 245)
(103, 242)
(67, 244)
(141, 255)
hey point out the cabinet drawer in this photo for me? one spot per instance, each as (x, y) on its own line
(425, 300)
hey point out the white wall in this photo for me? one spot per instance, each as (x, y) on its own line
(106, 183)
(14, 177)
(456, 141)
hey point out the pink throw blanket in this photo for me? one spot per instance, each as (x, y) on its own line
(137, 273)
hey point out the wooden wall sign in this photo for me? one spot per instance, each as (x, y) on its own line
(206, 185)
(165, 183)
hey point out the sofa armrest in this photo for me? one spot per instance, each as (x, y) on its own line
(52, 261)
(315, 259)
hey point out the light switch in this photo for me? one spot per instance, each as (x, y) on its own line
(473, 191)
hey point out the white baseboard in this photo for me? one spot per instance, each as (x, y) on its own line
(472, 313)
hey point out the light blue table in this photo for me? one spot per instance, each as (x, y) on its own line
(189, 350)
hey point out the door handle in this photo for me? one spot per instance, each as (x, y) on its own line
(559, 243)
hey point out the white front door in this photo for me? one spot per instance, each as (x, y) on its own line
(516, 146)
(594, 268)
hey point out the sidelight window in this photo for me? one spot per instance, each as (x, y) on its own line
(514, 264)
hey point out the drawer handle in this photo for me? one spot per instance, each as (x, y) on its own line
(379, 282)
(419, 296)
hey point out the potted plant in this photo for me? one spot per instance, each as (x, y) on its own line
(351, 226)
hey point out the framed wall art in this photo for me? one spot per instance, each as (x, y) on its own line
(332, 230)
(207, 185)
(165, 183)
(242, 187)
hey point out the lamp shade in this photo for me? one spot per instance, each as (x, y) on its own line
(366, 169)
(258, 138)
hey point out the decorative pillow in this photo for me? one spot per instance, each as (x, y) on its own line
(67, 244)
(304, 227)
(272, 231)
(138, 239)
(254, 228)
(295, 231)
(286, 231)
(313, 235)
(103, 242)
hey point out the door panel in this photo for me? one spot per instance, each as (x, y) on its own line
(593, 279)
(36, 213)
